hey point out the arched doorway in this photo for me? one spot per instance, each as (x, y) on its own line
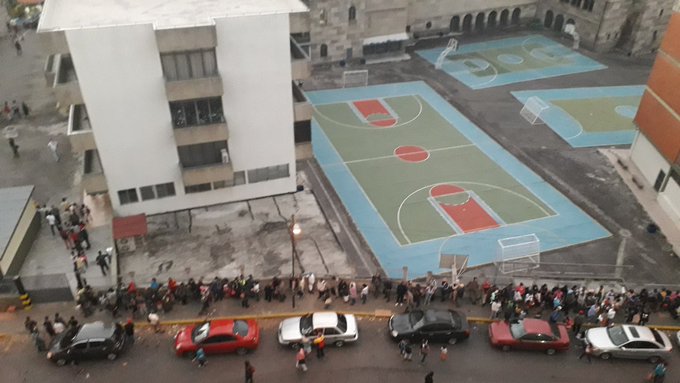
(548, 19)
(559, 23)
(504, 17)
(454, 26)
(491, 23)
(571, 21)
(467, 23)
(515, 16)
(479, 22)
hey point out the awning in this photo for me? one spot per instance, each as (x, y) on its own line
(386, 38)
(30, 2)
(127, 227)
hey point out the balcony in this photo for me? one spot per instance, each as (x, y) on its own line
(199, 134)
(203, 87)
(186, 39)
(203, 174)
(302, 109)
(80, 130)
(66, 87)
(93, 181)
(301, 65)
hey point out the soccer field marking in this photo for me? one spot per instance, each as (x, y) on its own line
(401, 205)
(470, 71)
(581, 129)
(522, 45)
(393, 155)
(420, 111)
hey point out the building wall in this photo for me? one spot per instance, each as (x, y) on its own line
(440, 13)
(24, 234)
(650, 22)
(669, 200)
(647, 159)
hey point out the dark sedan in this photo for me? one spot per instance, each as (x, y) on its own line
(434, 325)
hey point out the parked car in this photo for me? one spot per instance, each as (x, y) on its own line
(218, 337)
(434, 325)
(529, 334)
(337, 328)
(629, 341)
(88, 341)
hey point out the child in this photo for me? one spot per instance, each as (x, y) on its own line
(443, 354)
(408, 352)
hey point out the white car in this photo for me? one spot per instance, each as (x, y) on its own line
(629, 341)
(337, 328)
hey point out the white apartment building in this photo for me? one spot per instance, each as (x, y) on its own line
(179, 104)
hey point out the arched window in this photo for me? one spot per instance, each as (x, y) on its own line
(322, 16)
(516, 13)
(323, 51)
(504, 17)
(548, 19)
(352, 13)
(591, 5)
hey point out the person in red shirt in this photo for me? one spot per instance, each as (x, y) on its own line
(172, 285)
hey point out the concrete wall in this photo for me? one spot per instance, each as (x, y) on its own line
(20, 243)
(669, 200)
(183, 39)
(647, 159)
(650, 20)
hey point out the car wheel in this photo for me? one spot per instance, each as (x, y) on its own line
(550, 351)
(112, 356)
(453, 340)
(605, 356)
(241, 351)
(506, 348)
(339, 343)
(61, 362)
(654, 359)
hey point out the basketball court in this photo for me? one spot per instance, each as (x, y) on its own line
(421, 181)
(586, 117)
(508, 61)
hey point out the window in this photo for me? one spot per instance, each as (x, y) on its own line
(197, 188)
(157, 191)
(428, 25)
(661, 13)
(330, 331)
(239, 178)
(219, 185)
(322, 17)
(591, 5)
(352, 13)
(654, 36)
(240, 328)
(201, 154)
(80, 346)
(323, 50)
(96, 343)
(196, 112)
(219, 339)
(147, 193)
(127, 196)
(191, 64)
(268, 173)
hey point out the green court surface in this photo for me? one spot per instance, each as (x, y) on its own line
(600, 115)
(510, 59)
(400, 190)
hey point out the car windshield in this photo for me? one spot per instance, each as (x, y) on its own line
(240, 328)
(517, 330)
(342, 323)
(617, 335)
(306, 326)
(200, 332)
(415, 317)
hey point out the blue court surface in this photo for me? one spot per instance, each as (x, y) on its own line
(565, 225)
(586, 117)
(508, 61)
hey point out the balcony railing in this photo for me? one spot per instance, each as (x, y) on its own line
(302, 109)
(197, 175)
(301, 65)
(198, 134)
(194, 88)
(79, 129)
(94, 180)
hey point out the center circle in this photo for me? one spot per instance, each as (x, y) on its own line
(411, 153)
(510, 59)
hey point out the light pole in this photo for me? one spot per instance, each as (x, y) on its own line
(293, 230)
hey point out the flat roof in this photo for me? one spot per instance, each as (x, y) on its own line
(60, 15)
(13, 201)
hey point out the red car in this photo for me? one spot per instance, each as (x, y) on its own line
(529, 334)
(218, 337)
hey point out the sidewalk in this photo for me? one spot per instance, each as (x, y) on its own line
(12, 324)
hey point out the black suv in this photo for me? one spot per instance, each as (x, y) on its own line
(88, 341)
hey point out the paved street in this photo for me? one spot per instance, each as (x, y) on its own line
(373, 359)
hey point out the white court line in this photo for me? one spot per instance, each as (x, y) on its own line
(573, 119)
(420, 111)
(447, 218)
(393, 155)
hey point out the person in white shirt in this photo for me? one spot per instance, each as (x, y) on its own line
(53, 148)
(495, 308)
(52, 220)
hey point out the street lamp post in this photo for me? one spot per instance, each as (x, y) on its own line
(294, 230)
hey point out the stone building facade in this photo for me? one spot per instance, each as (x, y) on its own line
(336, 30)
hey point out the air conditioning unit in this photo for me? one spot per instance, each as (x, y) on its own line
(225, 156)
(126, 245)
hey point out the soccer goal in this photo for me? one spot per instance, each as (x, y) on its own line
(452, 46)
(352, 78)
(532, 110)
(521, 253)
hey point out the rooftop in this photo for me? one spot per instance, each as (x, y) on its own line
(163, 14)
(13, 201)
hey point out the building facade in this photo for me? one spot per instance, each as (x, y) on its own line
(175, 107)
(656, 150)
(336, 30)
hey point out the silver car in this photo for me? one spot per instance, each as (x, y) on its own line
(629, 341)
(337, 328)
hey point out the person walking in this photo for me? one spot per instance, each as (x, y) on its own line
(14, 146)
(53, 145)
(25, 108)
(52, 221)
(443, 353)
(364, 293)
(495, 309)
(659, 373)
(587, 350)
(429, 378)
(49, 328)
(101, 262)
(424, 351)
(200, 358)
(300, 363)
(352, 293)
(155, 321)
(250, 371)
(17, 46)
(320, 343)
(408, 352)
(402, 347)
(129, 329)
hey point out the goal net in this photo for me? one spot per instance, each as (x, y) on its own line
(452, 46)
(352, 78)
(521, 253)
(532, 109)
